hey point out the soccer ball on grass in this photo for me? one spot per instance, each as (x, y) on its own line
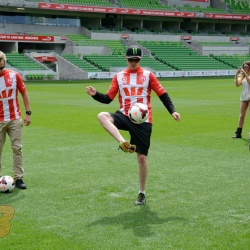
(7, 184)
(138, 113)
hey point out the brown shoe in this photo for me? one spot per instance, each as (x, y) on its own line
(127, 147)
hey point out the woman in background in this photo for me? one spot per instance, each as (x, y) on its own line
(242, 77)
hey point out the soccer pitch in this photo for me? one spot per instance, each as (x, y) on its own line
(81, 188)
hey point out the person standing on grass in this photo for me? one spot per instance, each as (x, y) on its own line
(133, 85)
(242, 78)
(10, 117)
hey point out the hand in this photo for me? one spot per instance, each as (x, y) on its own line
(176, 116)
(91, 90)
(27, 120)
(238, 71)
(244, 72)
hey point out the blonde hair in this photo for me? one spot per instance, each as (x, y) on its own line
(2, 56)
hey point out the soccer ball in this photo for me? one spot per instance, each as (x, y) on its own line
(7, 184)
(138, 113)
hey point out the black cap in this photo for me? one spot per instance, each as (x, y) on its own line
(134, 51)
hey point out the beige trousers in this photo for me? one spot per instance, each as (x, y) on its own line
(14, 131)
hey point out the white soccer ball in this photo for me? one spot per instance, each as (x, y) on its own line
(138, 113)
(7, 184)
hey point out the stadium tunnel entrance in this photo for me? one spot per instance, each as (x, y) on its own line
(24, 46)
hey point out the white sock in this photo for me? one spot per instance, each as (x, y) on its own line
(142, 192)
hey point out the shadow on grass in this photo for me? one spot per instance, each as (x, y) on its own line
(140, 221)
(247, 141)
(9, 198)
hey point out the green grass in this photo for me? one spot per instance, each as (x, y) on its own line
(81, 189)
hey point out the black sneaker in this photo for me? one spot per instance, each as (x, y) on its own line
(20, 184)
(141, 199)
(237, 136)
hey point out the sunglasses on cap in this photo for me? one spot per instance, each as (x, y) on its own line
(136, 60)
(245, 67)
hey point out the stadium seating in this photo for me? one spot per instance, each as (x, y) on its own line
(116, 59)
(114, 45)
(85, 2)
(155, 64)
(145, 4)
(82, 64)
(168, 55)
(197, 8)
(238, 6)
(35, 76)
(179, 57)
(234, 61)
(105, 62)
(77, 38)
(21, 62)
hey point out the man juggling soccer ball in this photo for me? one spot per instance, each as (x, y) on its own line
(133, 85)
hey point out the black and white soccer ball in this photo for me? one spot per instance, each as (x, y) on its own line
(7, 184)
(138, 113)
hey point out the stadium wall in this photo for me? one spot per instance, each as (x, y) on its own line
(67, 71)
(201, 3)
(171, 38)
(42, 29)
(218, 50)
(86, 50)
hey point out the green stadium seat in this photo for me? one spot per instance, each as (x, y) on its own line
(178, 56)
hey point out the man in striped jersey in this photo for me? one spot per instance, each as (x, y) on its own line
(11, 122)
(133, 85)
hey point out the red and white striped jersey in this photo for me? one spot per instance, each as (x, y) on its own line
(135, 86)
(10, 83)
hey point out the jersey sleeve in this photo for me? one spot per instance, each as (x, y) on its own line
(155, 85)
(113, 89)
(20, 84)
